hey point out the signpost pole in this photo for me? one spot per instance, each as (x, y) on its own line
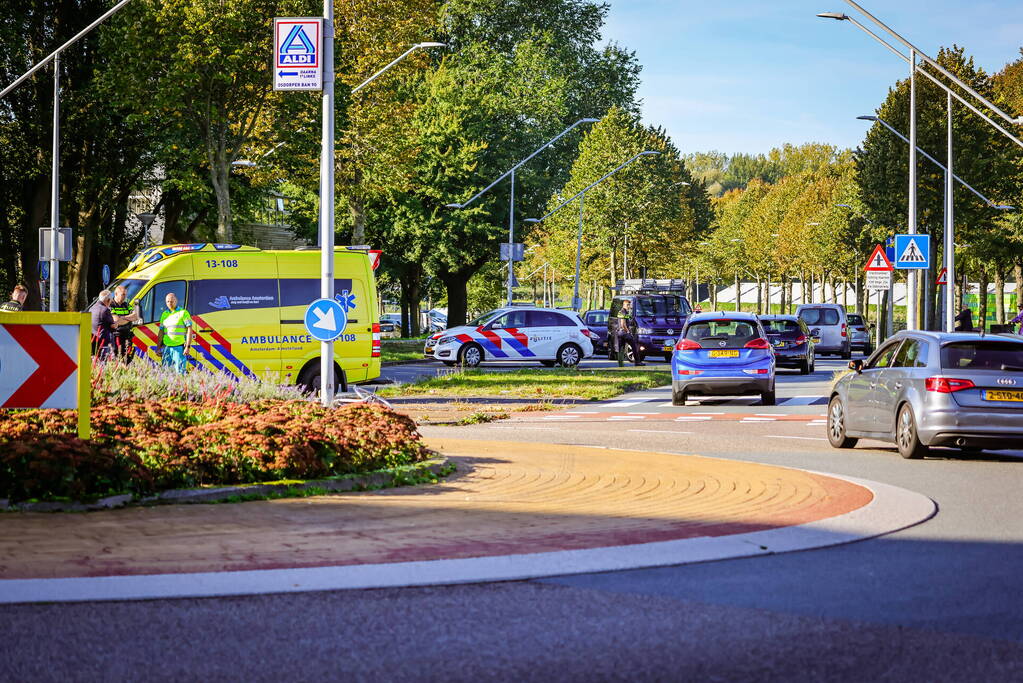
(55, 192)
(327, 198)
(511, 239)
(950, 247)
(911, 322)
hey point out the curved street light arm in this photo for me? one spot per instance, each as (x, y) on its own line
(931, 159)
(462, 205)
(926, 73)
(947, 74)
(403, 55)
(590, 186)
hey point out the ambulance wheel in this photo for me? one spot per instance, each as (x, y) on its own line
(569, 356)
(470, 355)
(309, 378)
(548, 363)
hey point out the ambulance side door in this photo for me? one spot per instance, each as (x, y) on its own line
(237, 325)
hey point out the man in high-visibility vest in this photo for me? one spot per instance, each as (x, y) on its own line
(125, 316)
(175, 335)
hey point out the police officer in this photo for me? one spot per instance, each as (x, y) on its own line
(17, 302)
(175, 335)
(626, 334)
(125, 317)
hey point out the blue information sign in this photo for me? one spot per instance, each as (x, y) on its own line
(106, 275)
(913, 251)
(326, 320)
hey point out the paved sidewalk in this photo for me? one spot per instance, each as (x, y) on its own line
(507, 499)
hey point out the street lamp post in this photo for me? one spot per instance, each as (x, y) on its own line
(949, 229)
(511, 209)
(912, 59)
(326, 222)
(581, 194)
(55, 154)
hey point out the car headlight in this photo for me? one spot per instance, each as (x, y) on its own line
(445, 340)
(644, 330)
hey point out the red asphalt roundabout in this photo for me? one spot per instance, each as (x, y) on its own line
(512, 511)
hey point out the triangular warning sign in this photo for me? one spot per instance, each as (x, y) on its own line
(878, 260)
(912, 254)
(942, 280)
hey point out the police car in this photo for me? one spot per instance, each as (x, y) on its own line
(550, 336)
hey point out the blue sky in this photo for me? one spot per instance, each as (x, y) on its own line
(749, 75)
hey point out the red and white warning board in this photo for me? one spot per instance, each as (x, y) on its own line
(942, 280)
(45, 362)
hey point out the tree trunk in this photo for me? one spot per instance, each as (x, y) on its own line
(220, 179)
(738, 293)
(1017, 275)
(456, 285)
(411, 297)
(982, 298)
(961, 290)
(760, 295)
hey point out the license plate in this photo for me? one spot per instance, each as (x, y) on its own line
(815, 340)
(779, 344)
(996, 395)
(724, 354)
(429, 349)
(668, 348)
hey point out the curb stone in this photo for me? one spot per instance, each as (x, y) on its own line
(435, 466)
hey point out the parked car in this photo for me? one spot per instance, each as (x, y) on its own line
(791, 340)
(659, 321)
(723, 354)
(597, 322)
(552, 337)
(859, 334)
(829, 327)
(923, 389)
(389, 329)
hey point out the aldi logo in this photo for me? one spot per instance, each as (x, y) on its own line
(296, 61)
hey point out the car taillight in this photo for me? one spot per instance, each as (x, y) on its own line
(947, 385)
(843, 329)
(756, 371)
(801, 339)
(376, 341)
(589, 333)
(687, 345)
(690, 372)
(758, 343)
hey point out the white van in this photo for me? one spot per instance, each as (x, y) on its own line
(829, 324)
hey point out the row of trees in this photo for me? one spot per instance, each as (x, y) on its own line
(169, 93)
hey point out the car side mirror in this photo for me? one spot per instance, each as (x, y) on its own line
(856, 365)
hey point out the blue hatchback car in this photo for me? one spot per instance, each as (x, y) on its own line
(722, 354)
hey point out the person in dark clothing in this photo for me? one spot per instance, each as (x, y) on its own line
(126, 315)
(102, 325)
(17, 302)
(626, 334)
(964, 321)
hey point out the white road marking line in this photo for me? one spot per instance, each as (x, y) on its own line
(582, 412)
(804, 438)
(717, 412)
(757, 419)
(667, 405)
(623, 404)
(639, 413)
(559, 417)
(659, 431)
(687, 418)
(771, 414)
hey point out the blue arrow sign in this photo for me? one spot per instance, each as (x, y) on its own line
(326, 320)
(287, 73)
(913, 251)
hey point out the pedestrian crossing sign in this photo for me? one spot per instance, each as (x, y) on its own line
(912, 251)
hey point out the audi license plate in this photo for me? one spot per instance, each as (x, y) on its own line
(998, 395)
(724, 354)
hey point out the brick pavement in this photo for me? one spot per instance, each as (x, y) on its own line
(507, 498)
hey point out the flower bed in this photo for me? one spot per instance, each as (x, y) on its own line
(142, 447)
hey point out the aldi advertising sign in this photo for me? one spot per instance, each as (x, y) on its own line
(298, 44)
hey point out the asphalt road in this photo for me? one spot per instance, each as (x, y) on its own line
(937, 602)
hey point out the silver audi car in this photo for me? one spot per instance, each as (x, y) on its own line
(922, 389)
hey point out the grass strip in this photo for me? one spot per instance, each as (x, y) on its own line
(591, 385)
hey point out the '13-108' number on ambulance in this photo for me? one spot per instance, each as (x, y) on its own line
(222, 263)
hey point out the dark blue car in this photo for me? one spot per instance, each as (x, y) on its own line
(723, 354)
(597, 322)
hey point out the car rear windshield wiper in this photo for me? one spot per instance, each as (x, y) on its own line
(1012, 368)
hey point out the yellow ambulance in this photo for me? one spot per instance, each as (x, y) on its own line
(248, 307)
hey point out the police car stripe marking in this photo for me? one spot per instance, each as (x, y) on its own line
(519, 342)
